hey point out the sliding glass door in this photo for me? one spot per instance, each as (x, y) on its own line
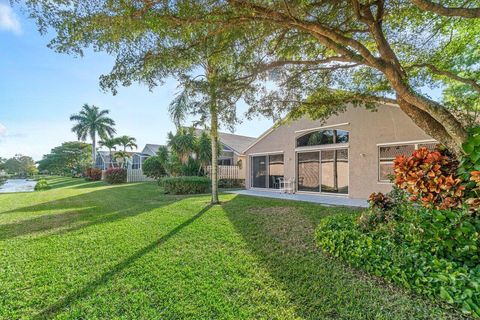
(323, 171)
(334, 171)
(308, 169)
(275, 171)
(267, 171)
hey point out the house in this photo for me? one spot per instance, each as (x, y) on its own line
(151, 149)
(232, 147)
(103, 160)
(350, 154)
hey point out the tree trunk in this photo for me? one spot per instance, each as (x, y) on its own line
(94, 150)
(214, 138)
(431, 126)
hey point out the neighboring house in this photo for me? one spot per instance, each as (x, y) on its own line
(104, 162)
(151, 149)
(350, 154)
(232, 147)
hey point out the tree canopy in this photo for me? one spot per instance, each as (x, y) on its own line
(70, 158)
(319, 55)
(20, 165)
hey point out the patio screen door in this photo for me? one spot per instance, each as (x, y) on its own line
(259, 172)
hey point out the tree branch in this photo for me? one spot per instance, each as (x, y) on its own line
(447, 11)
(475, 85)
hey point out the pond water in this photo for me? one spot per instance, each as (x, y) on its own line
(18, 185)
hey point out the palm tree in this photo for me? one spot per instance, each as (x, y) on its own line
(122, 158)
(92, 122)
(183, 143)
(127, 142)
(110, 144)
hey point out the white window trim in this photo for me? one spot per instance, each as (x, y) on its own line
(406, 142)
(324, 127)
(323, 147)
(265, 153)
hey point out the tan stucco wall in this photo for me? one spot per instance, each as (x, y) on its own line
(243, 167)
(367, 129)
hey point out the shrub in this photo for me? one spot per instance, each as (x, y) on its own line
(186, 185)
(432, 252)
(116, 175)
(430, 177)
(41, 185)
(93, 174)
(231, 183)
(153, 168)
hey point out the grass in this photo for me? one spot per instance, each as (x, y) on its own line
(93, 251)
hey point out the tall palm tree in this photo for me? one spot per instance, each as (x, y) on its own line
(92, 122)
(127, 142)
(110, 144)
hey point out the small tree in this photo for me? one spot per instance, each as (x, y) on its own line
(153, 168)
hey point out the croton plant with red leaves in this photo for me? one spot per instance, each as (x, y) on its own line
(430, 177)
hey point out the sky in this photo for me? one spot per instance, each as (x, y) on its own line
(40, 89)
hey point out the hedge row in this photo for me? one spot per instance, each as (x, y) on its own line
(185, 185)
(412, 266)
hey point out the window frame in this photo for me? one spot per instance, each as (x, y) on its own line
(319, 130)
(416, 145)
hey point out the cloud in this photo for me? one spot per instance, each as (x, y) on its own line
(8, 19)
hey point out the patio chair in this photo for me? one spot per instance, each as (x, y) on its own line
(288, 186)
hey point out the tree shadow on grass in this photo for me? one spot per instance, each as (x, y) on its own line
(85, 210)
(282, 235)
(54, 309)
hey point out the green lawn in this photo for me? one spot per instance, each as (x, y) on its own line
(88, 250)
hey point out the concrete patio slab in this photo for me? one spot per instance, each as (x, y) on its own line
(320, 199)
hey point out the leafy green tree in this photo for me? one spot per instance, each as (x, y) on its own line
(92, 122)
(126, 142)
(21, 165)
(72, 157)
(320, 54)
(111, 144)
(152, 167)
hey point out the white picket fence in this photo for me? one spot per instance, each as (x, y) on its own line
(226, 172)
(136, 175)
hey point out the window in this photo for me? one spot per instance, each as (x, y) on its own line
(225, 162)
(322, 137)
(387, 155)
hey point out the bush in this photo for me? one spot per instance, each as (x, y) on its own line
(41, 185)
(231, 183)
(186, 185)
(93, 174)
(116, 175)
(432, 252)
(431, 178)
(153, 168)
